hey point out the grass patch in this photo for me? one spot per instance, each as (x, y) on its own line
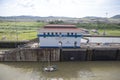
(109, 32)
(12, 31)
(112, 29)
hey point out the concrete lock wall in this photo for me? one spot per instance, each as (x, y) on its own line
(55, 54)
(104, 54)
(90, 54)
(1, 57)
(32, 55)
(118, 55)
(73, 55)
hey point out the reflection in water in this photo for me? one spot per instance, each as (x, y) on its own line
(108, 70)
(11, 73)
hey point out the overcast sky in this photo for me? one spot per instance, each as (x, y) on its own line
(68, 8)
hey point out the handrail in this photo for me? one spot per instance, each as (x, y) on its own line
(86, 39)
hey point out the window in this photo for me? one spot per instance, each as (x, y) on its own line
(75, 35)
(48, 33)
(56, 33)
(52, 33)
(71, 33)
(68, 34)
(60, 33)
(44, 34)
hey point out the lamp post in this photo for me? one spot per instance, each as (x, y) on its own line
(16, 31)
(104, 33)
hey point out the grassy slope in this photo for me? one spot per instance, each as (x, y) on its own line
(111, 29)
(24, 30)
(111, 32)
(28, 30)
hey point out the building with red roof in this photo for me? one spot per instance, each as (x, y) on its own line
(64, 36)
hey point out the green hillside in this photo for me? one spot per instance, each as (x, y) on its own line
(19, 30)
(12, 31)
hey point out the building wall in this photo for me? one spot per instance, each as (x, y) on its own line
(59, 39)
(55, 41)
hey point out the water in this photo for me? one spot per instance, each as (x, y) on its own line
(102, 40)
(92, 70)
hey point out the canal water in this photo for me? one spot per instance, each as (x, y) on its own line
(91, 70)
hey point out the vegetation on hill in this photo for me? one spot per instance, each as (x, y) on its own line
(56, 22)
(116, 17)
(19, 30)
(99, 25)
(111, 29)
(28, 30)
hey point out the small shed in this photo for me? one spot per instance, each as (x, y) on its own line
(56, 36)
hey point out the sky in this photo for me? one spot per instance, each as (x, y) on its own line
(66, 8)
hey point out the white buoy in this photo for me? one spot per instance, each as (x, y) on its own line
(50, 68)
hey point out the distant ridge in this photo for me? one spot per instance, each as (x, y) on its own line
(87, 19)
(92, 17)
(116, 17)
(34, 18)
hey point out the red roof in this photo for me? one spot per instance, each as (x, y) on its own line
(60, 30)
(59, 26)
